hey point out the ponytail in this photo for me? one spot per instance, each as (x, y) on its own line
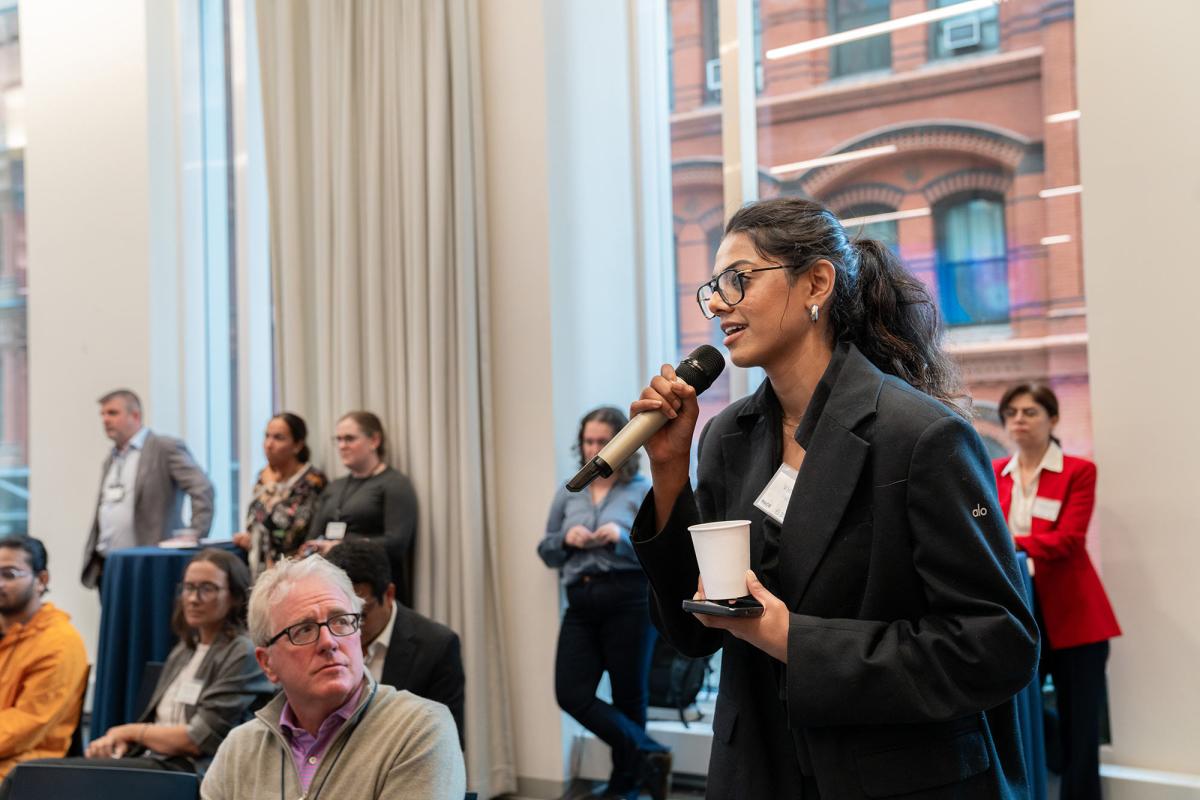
(893, 321)
(877, 304)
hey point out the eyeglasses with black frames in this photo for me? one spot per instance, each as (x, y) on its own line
(730, 284)
(309, 631)
(205, 591)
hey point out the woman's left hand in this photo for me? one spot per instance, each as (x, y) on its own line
(768, 633)
(608, 533)
(112, 744)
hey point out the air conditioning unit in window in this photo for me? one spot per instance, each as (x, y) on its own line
(961, 33)
(712, 75)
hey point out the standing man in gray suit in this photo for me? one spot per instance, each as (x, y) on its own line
(142, 486)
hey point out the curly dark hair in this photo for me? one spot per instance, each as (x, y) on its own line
(364, 561)
(615, 419)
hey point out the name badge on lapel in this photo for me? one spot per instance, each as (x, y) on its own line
(778, 493)
(189, 693)
(1046, 508)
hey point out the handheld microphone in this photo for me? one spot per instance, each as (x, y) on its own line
(698, 370)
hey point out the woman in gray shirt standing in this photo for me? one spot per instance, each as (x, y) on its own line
(606, 626)
(374, 500)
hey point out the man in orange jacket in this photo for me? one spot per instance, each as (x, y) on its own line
(43, 664)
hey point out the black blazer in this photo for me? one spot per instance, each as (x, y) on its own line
(425, 658)
(909, 632)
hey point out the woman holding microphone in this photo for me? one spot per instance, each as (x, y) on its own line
(1048, 498)
(894, 633)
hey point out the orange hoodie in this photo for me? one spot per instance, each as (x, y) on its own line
(43, 672)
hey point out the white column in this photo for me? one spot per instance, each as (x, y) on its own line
(1140, 174)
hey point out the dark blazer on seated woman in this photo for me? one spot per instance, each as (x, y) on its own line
(1074, 607)
(909, 629)
(233, 685)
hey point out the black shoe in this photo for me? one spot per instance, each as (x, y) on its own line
(654, 773)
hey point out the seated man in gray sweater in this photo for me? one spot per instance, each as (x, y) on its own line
(333, 732)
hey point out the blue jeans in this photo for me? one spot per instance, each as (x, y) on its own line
(607, 628)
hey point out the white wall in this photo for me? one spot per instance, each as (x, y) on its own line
(514, 100)
(565, 328)
(594, 276)
(88, 202)
(1141, 199)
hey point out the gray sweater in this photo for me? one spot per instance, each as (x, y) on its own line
(396, 745)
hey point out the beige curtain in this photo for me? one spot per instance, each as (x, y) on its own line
(372, 117)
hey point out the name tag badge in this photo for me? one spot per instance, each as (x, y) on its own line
(114, 494)
(778, 493)
(1046, 508)
(189, 693)
(335, 531)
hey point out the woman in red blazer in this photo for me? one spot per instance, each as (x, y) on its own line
(1047, 498)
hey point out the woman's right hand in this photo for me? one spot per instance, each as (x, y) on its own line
(672, 443)
(242, 540)
(579, 537)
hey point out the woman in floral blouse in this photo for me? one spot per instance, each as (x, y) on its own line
(285, 496)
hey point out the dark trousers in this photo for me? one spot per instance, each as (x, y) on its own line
(607, 628)
(1078, 674)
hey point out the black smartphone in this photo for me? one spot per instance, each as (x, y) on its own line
(741, 607)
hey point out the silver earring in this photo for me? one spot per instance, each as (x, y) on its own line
(814, 313)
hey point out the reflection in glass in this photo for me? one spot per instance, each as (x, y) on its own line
(972, 265)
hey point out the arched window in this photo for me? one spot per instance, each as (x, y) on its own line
(860, 224)
(972, 260)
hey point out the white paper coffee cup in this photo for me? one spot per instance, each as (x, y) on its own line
(723, 553)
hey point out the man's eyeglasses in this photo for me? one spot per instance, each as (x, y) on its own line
(9, 574)
(205, 591)
(730, 284)
(307, 632)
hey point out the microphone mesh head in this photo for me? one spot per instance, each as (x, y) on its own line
(701, 367)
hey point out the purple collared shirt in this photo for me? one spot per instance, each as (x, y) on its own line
(307, 750)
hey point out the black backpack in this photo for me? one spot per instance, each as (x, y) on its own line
(675, 679)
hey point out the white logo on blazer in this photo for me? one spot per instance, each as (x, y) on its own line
(979, 511)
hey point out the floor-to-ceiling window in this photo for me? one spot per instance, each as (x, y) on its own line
(14, 351)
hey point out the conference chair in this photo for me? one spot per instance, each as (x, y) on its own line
(33, 781)
(76, 746)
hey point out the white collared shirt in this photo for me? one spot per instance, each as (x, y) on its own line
(377, 650)
(117, 496)
(1020, 511)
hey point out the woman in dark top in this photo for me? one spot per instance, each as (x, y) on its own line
(374, 500)
(606, 626)
(285, 495)
(895, 631)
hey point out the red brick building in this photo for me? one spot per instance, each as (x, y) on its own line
(960, 116)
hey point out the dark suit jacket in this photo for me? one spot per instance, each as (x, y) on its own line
(233, 685)
(909, 634)
(425, 658)
(166, 473)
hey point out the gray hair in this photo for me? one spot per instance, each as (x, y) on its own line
(274, 584)
(132, 402)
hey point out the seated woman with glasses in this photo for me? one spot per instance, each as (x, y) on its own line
(208, 684)
(374, 500)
